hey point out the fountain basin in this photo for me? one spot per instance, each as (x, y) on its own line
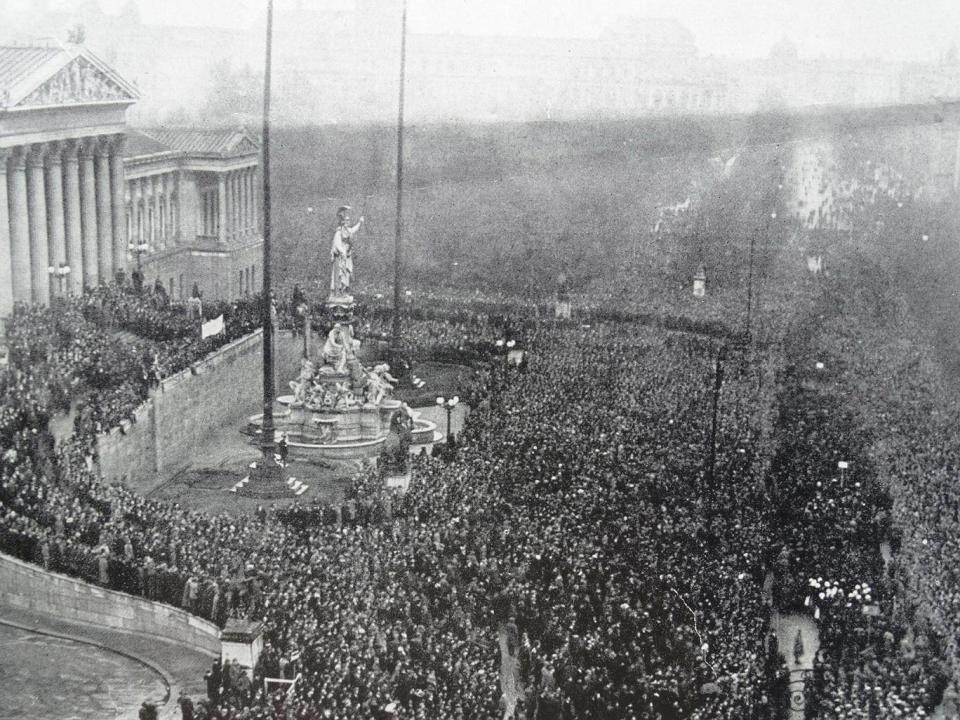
(351, 433)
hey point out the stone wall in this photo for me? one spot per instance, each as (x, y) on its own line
(219, 391)
(128, 453)
(30, 587)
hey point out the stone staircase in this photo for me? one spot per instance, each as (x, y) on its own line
(298, 487)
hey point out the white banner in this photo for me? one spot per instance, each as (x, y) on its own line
(211, 327)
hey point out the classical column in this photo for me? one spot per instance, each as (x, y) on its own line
(161, 205)
(238, 199)
(73, 232)
(235, 204)
(244, 201)
(118, 206)
(248, 220)
(56, 229)
(6, 260)
(156, 191)
(241, 202)
(221, 209)
(228, 205)
(256, 201)
(231, 206)
(173, 205)
(156, 187)
(149, 235)
(88, 215)
(104, 213)
(131, 215)
(141, 229)
(37, 222)
(19, 229)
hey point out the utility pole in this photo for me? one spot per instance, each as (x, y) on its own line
(753, 244)
(753, 241)
(267, 469)
(717, 385)
(398, 240)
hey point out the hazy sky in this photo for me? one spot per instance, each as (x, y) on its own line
(895, 29)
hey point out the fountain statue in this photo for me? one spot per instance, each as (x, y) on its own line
(339, 408)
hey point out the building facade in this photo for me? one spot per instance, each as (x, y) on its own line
(62, 130)
(192, 202)
(83, 198)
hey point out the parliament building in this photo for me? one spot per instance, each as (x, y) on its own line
(84, 198)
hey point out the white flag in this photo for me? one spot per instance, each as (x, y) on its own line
(212, 327)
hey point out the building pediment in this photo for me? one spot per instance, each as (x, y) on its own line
(78, 83)
(69, 76)
(244, 146)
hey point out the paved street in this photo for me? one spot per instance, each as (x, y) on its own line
(48, 677)
(54, 668)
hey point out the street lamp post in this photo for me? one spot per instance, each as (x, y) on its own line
(505, 346)
(511, 344)
(448, 405)
(753, 243)
(59, 274)
(717, 385)
(843, 465)
(137, 249)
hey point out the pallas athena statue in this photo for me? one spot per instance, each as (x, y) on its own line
(341, 253)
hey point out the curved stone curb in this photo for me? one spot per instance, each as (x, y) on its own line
(168, 680)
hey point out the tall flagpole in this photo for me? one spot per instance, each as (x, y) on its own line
(268, 467)
(399, 226)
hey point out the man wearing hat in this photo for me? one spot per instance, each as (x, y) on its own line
(341, 252)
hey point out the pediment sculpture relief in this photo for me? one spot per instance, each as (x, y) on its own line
(78, 82)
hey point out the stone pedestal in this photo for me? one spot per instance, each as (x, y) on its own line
(340, 309)
(399, 481)
(241, 640)
(700, 283)
(267, 481)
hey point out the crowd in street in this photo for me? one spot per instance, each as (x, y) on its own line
(625, 510)
(533, 525)
(858, 508)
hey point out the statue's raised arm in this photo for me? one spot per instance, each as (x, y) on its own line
(341, 253)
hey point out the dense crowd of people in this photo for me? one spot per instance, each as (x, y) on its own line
(73, 353)
(516, 529)
(622, 513)
(858, 393)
